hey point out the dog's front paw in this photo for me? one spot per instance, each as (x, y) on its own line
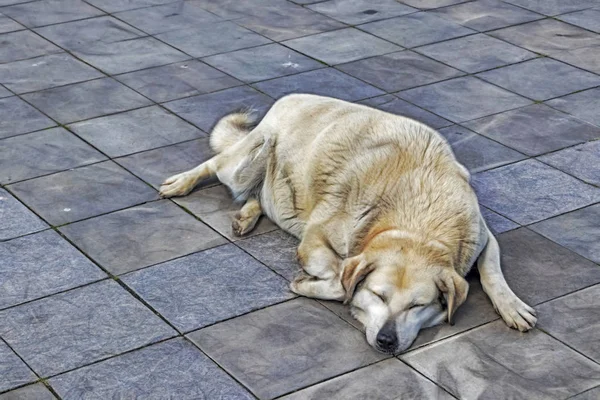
(516, 314)
(242, 224)
(177, 185)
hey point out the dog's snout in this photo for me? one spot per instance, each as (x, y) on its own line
(387, 339)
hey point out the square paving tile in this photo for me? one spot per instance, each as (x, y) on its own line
(13, 371)
(356, 12)
(576, 230)
(120, 5)
(476, 152)
(48, 12)
(24, 44)
(399, 71)
(155, 166)
(233, 9)
(45, 72)
(476, 53)
(496, 361)
(416, 29)
(286, 347)
(394, 105)
(555, 7)
(574, 320)
(592, 394)
(207, 287)
(385, 380)
(141, 236)
(8, 25)
(431, 4)
(485, 15)
(137, 130)
(83, 192)
(178, 80)
(325, 82)
(38, 265)
(587, 19)
(585, 58)
(217, 38)
(178, 370)
(541, 79)
(4, 92)
(463, 99)
(539, 270)
(18, 117)
(530, 191)
(31, 392)
(496, 222)
(216, 207)
(342, 46)
(86, 100)
(584, 105)
(277, 250)
(581, 161)
(42, 153)
(16, 219)
(264, 62)
(535, 129)
(173, 16)
(75, 328)
(205, 110)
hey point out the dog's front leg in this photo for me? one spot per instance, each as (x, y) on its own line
(513, 310)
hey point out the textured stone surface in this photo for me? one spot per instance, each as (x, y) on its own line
(120, 5)
(18, 117)
(394, 105)
(496, 222)
(581, 161)
(16, 219)
(13, 371)
(584, 105)
(48, 12)
(24, 44)
(8, 25)
(31, 392)
(355, 12)
(587, 19)
(554, 7)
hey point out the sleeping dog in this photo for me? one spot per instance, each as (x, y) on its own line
(386, 217)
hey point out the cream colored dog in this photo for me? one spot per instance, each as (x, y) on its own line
(376, 199)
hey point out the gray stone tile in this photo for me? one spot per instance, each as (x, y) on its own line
(325, 82)
(286, 347)
(496, 222)
(4, 92)
(219, 37)
(42, 153)
(574, 320)
(431, 4)
(592, 394)
(485, 15)
(112, 6)
(178, 80)
(276, 249)
(45, 72)
(86, 100)
(141, 236)
(216, 207)
(555, 7)
(205, 110)
(174, 369)
(169, 17)
(496, 361)
(8, 25)
(587, 19)
(534, 129)
(576, 230)
(476, 152)
(341, 46)
(207, 287)
(155, 166)
(16, 219)
(394, 105)
(386, 380)
(234, 9)
(530, 191)
(584, 105)
(463, 99)
(541, 79)
(24, 44)
(46, 12)
(585, 58)
(137, 130)
(476, 53)
(581, 161)
(18, 117)
(399, 71)
(72, 329)
(13, 371)
(356, 12)
(264, 62)
(38, 265)
(31, 392)
(539, 270)
(83, 192)
(416, 29)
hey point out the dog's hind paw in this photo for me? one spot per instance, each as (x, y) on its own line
(177, 185)
(517, 314)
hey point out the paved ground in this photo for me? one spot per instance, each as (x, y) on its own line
(108, 292)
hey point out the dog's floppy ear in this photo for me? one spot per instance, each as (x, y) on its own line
(354, 270)
(455, 289)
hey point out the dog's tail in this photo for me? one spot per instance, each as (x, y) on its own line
(232, 128)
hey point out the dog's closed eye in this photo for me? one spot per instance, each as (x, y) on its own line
(381, 296)
(416, 305)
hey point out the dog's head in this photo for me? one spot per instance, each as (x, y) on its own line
(397, 287)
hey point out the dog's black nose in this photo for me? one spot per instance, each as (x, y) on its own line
(387, 340)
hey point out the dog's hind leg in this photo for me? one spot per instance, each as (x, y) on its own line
(245, 220)
(513, 310)
(183, 183)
